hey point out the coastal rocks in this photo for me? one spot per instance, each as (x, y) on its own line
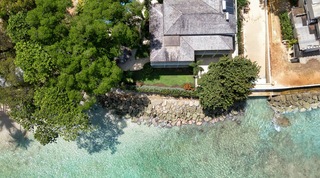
(162, 111)
(125, 103)
(295, 102)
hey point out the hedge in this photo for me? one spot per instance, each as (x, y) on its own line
(286, 27)
(165, 91)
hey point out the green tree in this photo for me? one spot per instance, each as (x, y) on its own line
(227, 81)
(196, 67)
(17, 28)
(58, 113)
(34, 61)
(67, 61)
(11, 7)
(46, 21)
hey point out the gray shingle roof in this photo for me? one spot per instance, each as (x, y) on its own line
(201, 17)
(181, 27)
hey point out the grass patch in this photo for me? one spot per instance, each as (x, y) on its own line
(162, 77)
(170, 80)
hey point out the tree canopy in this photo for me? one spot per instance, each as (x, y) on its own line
(227, 81)
(66, 61)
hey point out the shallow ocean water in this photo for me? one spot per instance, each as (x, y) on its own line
(252, 149)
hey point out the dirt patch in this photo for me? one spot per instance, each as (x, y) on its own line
(284, 72)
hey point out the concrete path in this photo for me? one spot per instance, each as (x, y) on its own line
(132, 63)
(255, 35)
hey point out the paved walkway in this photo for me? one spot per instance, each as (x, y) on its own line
(133, 64)
(254, 32)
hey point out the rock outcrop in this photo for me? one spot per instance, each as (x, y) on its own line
(295, 102)
(162, 111)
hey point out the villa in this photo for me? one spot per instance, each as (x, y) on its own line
(306, 22)
(183, 31)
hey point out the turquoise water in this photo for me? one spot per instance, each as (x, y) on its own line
(252, 149)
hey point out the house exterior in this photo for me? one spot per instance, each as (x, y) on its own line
(183, 29)
(306, 22)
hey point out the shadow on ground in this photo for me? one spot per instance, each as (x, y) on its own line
(106, 128)
(18, 136)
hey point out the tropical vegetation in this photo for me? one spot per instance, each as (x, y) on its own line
(286, 27)
(61, 61)
(227, 82)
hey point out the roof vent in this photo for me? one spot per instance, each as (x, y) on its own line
(224, 5)
(227, 16)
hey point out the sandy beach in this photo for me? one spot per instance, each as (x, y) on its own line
(10, 131)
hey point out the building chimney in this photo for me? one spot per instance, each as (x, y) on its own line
(227, 16)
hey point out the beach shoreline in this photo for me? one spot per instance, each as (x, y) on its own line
(10, 131)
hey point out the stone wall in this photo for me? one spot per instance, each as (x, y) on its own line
(162, 111)
(295, 102)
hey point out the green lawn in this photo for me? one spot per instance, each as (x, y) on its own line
(163, 77)
(171, 80)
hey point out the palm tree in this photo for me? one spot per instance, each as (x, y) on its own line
(196, 67)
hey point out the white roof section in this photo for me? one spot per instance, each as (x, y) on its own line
(306, 38)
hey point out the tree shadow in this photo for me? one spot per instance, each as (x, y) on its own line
(18, 135)
(155, 44)
(20, 139)
(106, 128)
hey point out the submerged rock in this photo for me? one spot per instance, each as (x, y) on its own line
(281, 121)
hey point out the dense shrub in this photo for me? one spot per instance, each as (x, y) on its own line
(174, 92)
(286, 27)
(187, 86)
(227, 82)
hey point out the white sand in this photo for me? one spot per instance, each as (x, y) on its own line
(254, 32)
(8, 129)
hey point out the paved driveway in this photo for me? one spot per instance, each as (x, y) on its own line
(254, 32)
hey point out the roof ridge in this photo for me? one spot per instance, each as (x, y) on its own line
(188, 45)
(210, 6)
(180, 14)
(187, 42)
(157, 53)
(221, 37)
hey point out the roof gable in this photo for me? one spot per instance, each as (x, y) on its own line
(200, 17)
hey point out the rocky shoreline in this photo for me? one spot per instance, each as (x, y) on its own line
(295, 102)
(162, 111)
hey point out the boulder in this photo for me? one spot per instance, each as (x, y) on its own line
(314, 97)
(282, 121)
(178, 123)
(198, 123)
(306, 105)
(184, 122)
(314, 105)
(283, 98)
(299, 96)
(305, 97)
(275, 99)
(294, 98)
(206, 118)
(233, 112)
(302, 109)
(288, 97)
